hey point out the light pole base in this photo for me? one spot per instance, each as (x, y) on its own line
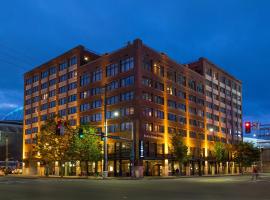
(105, 174)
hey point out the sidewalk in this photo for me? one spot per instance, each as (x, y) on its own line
(122, 178)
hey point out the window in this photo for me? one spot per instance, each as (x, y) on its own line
(171, 90)
(127, 81)
(148, 127)
(52, 70)
(159, 128)
(97, 75)
(112, 70)
(181, 94)
(127, 111)
(62, 101)
(95, 117)
(159, 100)
(72, 74)
(192, 122)
(52, 93)
(63, 78)
(84, 79)
(73, 60)
(62, 113)
(72, 110)
(172, 117)
(159, 114)
(34, 89)
(35, 78)
(181, 106)
(95, 91)
(192, 134)
(147, 81)
(192, 98)
(96, 104)
(84, 107)
(44, 85)
(62, 65)
(148, 112)
(85, 94)
(52, 82)
(192, 84)
(127, 96)
(113, 100)
(44, 74)
(72, 86)
(52, 104)
(62, 89)
(127, 64)
(72, 98)
(158, 70)
(172, 104)
(182, 120)
(44, 106)
(192, 110)
(171, 76)
(43, 117)
(113, 85)
(113, 128)
(200, 88)
(159, 86)
(147, 65)
(181, 80)
(147, 96)
(28, 81)
(126, 126)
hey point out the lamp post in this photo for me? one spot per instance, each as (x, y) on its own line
(6, 154)
(105, 166)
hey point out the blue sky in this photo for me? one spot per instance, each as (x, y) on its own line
(232, 34)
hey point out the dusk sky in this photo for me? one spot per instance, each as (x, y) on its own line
(233, 34)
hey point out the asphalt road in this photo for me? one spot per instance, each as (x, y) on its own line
(213, 188)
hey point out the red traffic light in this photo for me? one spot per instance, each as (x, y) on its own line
(247, 127)
(247, 124)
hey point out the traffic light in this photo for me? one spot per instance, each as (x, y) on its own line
(102, 135)
(58, 128)
(247, 127)
(81, 133)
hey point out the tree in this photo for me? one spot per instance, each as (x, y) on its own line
(180, 150)
(245, 154)
(220, 153)
(51, 147)
(86, 147)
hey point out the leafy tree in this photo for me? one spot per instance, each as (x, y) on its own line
(220, 152)
(180, 150)
(86, 148)
(51, 147)
(245, 154)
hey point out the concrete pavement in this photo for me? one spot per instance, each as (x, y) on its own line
(214, 188)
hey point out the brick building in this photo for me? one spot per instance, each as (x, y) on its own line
(154, 97)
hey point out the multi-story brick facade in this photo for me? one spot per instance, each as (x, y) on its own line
(154, 96)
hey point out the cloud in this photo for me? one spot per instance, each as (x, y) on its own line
(8, 105)
(9, 100)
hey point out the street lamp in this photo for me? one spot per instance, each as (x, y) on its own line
(115, 114)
